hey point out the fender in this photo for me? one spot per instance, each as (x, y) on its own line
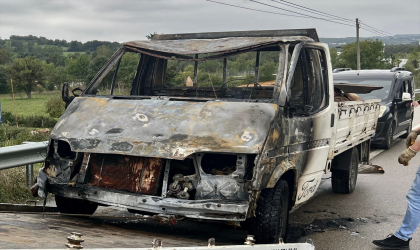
(280, 169)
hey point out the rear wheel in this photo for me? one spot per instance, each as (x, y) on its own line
(272, 214)
(344, 180)
(74, 206)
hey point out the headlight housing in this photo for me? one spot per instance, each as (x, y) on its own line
(382, 110)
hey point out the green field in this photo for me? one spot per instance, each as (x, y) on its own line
(25, 106)
(67, 54)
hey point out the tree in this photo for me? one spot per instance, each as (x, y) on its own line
(78, 68)
(104, 51)
(4, 86)
(267, 70)
(4, 56)
(27, 73)
(371, 55)
(335, 59)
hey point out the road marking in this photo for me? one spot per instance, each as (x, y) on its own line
(375, 152)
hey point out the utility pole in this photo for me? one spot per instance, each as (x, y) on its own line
(358, 43)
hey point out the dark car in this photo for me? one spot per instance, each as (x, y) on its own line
(396, 113)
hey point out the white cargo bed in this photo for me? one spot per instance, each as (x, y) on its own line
(355, 122)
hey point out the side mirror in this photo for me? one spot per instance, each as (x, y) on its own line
(65, 94)
(406, 97)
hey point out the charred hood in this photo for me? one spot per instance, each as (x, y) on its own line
(163, 128)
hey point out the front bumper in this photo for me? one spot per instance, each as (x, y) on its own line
(198, 209)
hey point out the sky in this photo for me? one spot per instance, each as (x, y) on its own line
(127, 20)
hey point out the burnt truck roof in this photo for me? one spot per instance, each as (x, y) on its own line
(181, 45)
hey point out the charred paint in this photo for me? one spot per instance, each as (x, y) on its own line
(115, 131)
(121, 146)
(164, 127)
(84, 143)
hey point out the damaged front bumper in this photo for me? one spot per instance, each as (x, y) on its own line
(196, 209)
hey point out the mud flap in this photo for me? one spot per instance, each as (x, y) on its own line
(307, 186)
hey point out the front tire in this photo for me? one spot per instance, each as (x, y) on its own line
(74, 206)
(389, 138)
(272, 214)
(344, 181)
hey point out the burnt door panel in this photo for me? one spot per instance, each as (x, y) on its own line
(309, 112)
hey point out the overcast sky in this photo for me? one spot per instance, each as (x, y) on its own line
(125, 20)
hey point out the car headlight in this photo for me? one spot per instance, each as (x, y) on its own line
(382, 110)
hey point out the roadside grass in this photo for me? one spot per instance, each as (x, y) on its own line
(25, 106)
(13, 187)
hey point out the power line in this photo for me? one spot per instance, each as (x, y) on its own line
(319, 18)
(378, 29)
(311, 10)
(369, 29)
(334, 18)
(276, 13)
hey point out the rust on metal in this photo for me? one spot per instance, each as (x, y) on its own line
(125, 173)
(151, 175)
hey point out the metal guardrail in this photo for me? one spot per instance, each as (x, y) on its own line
(23, 155)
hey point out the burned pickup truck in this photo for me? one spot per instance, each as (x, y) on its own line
(227, 148)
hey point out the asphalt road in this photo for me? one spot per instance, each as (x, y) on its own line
(332, 221)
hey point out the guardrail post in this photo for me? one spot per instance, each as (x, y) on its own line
(29, 175)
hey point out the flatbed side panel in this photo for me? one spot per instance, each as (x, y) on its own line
(356, 123)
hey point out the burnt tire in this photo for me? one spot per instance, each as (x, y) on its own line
(272, 214)
(74, 206)
(344, 181)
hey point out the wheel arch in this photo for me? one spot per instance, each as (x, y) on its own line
(337, 162)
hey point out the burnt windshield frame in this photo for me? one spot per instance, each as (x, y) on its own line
(138, 89)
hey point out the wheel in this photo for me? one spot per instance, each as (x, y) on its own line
(272, 214)
(388, 139)
(410, 127)
(344, 181)
(74, 206)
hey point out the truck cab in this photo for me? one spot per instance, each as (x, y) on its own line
(196, 132)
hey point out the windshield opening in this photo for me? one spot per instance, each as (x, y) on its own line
(376, 94)
(250, 76)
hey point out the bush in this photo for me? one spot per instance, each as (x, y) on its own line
(11, 135)
(7, 118)
(55, 107)
(34, 121)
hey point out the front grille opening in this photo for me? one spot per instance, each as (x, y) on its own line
(218, 164)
